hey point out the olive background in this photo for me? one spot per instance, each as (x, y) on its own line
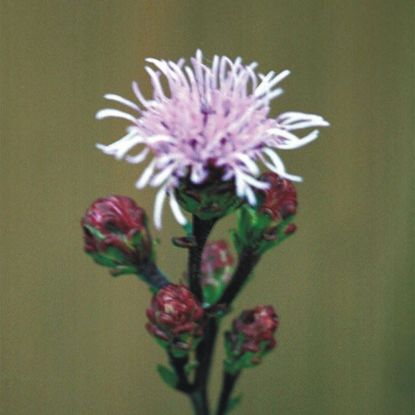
(72, 338)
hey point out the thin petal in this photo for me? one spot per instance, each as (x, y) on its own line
(105, 113)
(122, 100)
(250, 196)
(249, 163)
(139, 157)
(177, 212)
(155, 81)
(268, 82)
(278, 166)
(145, 177)
(161, 177)
(253, 182)
(158, 206)
(139, 95)
(300, 142)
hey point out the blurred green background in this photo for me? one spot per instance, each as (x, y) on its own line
(73, 338)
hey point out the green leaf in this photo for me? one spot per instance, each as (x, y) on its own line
(136, 239)
(236, 239)
(178, 352)
(169, 377)
(163, 343)
(123, 270)
(190, 367)
(115, 255)
(233, 403)
(102, 260)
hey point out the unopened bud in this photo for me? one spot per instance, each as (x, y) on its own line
(116, 234)
(251, 337)
(175, 318)
(266, 225)
(216, 269)
(279, 201)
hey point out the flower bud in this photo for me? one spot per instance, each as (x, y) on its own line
(175, 318)
(266, 225)
(279, 201)
(251, 337)
(116, 235)
(212, 198)
(216, 269)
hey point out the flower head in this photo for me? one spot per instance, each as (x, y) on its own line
(175, 317)
(116, 234)
(214, 114)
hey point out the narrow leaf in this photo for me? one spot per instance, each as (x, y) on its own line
(233, 403)
(169, 377)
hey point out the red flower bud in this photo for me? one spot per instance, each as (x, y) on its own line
(216, 257)
(251, 337)
(280, 200)
(216, 269)
(257, 327)
(116, 233)
(175, 316)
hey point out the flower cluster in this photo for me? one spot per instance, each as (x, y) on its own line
(175, 317)
(205, 135)
(251, 337)
(212, 115)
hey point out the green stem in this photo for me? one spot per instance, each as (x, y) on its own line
(247, 262)
(199, 402)
(201, 230)
(152, 275)
(228, 384)
(204, 354)
(179, 364)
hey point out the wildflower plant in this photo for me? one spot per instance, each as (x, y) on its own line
(205, 134)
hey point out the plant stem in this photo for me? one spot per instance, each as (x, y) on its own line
(204, 354)
(247, 262)
(228, 384)
(199, 402)
(152, 275)
(198, 391)
(179, 363)
(201, 230)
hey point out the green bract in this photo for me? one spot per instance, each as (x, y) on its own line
(257, 231)
(208, 201)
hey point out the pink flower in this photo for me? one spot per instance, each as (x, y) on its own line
(216, 114)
